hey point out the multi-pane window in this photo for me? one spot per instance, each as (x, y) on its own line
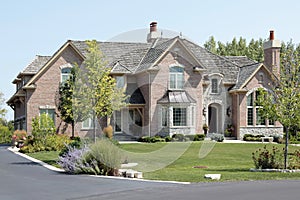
(250, 109)
(65, 74)
(118, 121)
(176, 78)
(214, 85)
(253, 111)
(179, 116)
(49, 112)
(259, 119)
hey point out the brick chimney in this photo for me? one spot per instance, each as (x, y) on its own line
(153, 34)
(272, 54)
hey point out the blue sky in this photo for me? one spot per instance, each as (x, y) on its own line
(32, 27)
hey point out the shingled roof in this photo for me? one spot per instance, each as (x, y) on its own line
(245, 73)
(38, 62)
(131, 58)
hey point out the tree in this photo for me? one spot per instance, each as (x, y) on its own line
(211, 45)
(254, 50)
(71, 106)
(100, 88)
(282, 103)
(2, 110)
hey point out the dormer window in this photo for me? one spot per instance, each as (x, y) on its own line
(214, 86)
(65, 74)
(176, 78)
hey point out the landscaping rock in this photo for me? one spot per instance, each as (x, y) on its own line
(213, 176)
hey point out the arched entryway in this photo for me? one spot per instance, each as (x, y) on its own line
(214, 118)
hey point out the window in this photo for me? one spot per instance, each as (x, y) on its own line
(118, 121)
(179, 117)
(65, 74)
(176, 78)
(214, 86)
(49, 112)
(88, 124)
(120, 81)
(251, 115)
(250, 109)
(164, 116)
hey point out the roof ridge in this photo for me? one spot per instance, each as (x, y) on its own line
(111, 42)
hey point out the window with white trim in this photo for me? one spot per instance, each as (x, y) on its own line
(88, 124)
(253, 111)
(179, 116)
(65, 74)
(176, 78)
(50, 112)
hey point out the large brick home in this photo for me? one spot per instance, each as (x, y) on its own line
(174, 86)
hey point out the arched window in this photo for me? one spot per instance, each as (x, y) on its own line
(176, 78)
(65, 74)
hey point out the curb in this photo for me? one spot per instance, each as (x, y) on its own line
(50, 167)
(15, 150)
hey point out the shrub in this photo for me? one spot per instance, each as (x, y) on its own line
(178, 137)
(42, 126)
(254, 138)
(294, 160)
(217, 137)
(168, 139)
(19, 136)
(268, 159)
(108, 132)
(105, 156)
(5, 134)
(76, 143)
(74, 162)
(146, 139)
(199, 137)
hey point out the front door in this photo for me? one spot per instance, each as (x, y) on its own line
(214, 118)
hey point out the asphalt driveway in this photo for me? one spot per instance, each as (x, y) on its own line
(24, 179)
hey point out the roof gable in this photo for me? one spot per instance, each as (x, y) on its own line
(247, 72)
(48, 64)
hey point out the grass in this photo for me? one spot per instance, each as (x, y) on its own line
(49, 157)
(233, 161)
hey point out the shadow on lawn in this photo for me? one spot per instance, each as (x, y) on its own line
(229, 170)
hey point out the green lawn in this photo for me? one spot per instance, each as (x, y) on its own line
(50, 157)
(233, 161)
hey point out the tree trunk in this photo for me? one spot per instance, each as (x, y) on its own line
(73, 129)
(286, 148)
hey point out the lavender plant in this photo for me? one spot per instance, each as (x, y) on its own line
(73, 161)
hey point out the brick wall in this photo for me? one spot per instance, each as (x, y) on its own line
(47, 85)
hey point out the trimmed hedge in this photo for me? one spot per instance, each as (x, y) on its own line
(174, 138)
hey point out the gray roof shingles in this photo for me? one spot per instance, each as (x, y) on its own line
(36, 64)
(126, 57)
(244, 73)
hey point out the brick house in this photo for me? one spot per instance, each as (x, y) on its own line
(174, 86)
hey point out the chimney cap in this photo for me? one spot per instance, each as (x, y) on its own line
(153, 26)
(271, 35)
